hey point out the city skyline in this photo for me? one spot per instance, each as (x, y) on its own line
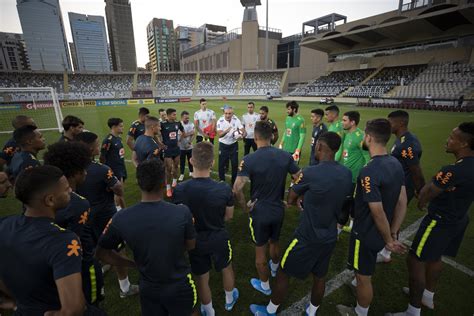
(143, 11)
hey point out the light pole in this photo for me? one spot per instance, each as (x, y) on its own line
(266, 40)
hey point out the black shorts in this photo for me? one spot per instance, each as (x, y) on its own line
(213, 249)
(348, 206)
(176, 299)
(92, 281)
(98, 227)
(435, 238)
(301, 258)
(172, 152)
(362, 258)
(263, 227)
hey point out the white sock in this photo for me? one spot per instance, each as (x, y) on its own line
(229, 296)
(354, 282)
(413, 311)
(311, 310)
(124, 285)
(208, 309)
(175, 181)
(190, 174)
(274, 266)
(385, 253)
(168, 187)
(361, 311)
(265, 285)
(428, 296)
(272, 308)
(351, 223)
(339, 230)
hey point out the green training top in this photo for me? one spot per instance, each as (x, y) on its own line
(336, 127)
(353, 156)
(295, 132)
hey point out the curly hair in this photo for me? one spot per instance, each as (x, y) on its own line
(71, 157)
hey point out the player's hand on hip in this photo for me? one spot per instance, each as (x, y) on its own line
(396, 247)
(250, 205)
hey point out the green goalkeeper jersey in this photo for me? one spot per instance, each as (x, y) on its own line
(295, 132)
(353, 156)
(336, 127)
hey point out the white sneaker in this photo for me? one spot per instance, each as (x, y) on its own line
(424, 302)
(346, 310)
(181, 178)
(191, 174)
(382, 259)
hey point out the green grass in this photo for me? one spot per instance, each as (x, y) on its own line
(432, 128)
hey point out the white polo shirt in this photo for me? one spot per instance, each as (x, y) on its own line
(185, 143)
(249, 120)
(222, 125)
(204, 118)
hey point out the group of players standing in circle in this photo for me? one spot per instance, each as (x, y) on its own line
(70, 227)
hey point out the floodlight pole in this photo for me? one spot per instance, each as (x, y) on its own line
(266, 41)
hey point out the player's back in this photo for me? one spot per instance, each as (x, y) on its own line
(208, 212)
(267, 169)
(155, 231)
(22, 160)
(145, 147)
(35, 252)
(8, 150)
(408, 151)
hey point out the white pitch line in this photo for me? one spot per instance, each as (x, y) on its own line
(343, 277)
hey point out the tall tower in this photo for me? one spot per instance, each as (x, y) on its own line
(162, 45)
(90, 42)
(250, 41)
(121, 39)
(43, 31)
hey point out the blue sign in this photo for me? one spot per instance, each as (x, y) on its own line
(111, 102)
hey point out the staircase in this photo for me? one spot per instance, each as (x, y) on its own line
(239, 83)
(196, 83)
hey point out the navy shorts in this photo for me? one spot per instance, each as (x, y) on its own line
(362, 258)
(172, 152)
(213, 248)
(301, 258)
(92, 281)
(265, 225)
(435, 239)
(175, 299)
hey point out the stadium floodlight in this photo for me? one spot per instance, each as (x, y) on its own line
(41, 104)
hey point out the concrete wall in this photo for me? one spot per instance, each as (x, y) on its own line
(313, 64)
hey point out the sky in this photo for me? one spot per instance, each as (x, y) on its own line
(286, 15)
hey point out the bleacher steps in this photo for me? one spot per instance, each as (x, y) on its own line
(239, 83)
(196, 83)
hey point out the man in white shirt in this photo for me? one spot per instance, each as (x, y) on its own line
(186, 144)
(205, 121)
(248, 120)
(230, 130)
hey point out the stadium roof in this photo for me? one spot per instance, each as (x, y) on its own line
(250, 3)
(395, 28)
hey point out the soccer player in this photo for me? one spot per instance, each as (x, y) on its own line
(146, 146)
(5, 185)
(335, 125)
(324, 187)
(318, 129)
(186, 144)
(112, 154)
(99, 188)
(295, 131)
(205, 122)
(266, 169)
(169, 131)
(230, 130)
(10, 147)
(72, 126)
(380, 207)
(162, 116)
(41, 262)
(136, 130)
(449, 196)
(248, 121)
(407, 149)
(31, 142)
(158, 233)
(73, 158)
(264, 117)
(213, 245)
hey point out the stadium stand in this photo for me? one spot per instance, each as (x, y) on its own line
(260, 83)
(217, 84)
(144, 81)
(175, 84)
(443, 81)
(333, 84)
(386, 80)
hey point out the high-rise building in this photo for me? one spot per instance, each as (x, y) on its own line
(13, 52)
(43, 32)
(72, 49)
(189, 36)
(162, 45)
(121, 39)
(90, 42)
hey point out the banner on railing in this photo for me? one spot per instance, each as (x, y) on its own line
(140, 101)
(111, 102)
(77, 103)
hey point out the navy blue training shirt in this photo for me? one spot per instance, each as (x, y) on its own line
(9, 149)
(156, 232)
(380, 180)
(317, 132)
(22, 160)
(408, 151)
(114, 153)
(457, 181)
(35, 253)
(208, 212)
(146, 148)
(325, 187)
(136, 129)
(169, 132)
